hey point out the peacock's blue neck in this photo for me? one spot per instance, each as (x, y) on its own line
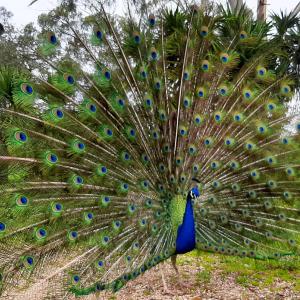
(186, 233)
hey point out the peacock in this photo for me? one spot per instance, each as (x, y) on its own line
(181, 132)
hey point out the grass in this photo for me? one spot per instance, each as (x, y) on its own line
(247, 272)
(203, 277)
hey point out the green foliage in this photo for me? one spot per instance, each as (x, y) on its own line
(251, 272)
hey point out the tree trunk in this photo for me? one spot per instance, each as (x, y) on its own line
(236, 5)
(204, 3)
(262, 10)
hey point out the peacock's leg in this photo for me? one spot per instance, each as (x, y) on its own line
(173, 260)
(181, 283)
(165, 286)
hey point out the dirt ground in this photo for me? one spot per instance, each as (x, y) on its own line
(199, 279)
(149, 286)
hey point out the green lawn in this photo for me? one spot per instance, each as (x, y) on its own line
(248, 272)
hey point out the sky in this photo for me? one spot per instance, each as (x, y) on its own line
(24, 14)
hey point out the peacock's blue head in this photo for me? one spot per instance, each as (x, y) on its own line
(194, 193)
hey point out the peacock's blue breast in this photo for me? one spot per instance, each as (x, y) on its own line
(186, 233)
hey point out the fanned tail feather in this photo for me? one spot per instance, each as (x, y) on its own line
(96, 163)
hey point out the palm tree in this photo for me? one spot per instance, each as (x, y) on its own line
(288, 33)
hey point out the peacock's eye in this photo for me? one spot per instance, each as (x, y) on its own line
(2, 227)
(204, 31)
(58, 206)
(29, 260)
(155, 135)
(74, 234)
(100, 263)
(237, 117)
(20, 136)
(58, 113)
(261, 71)
(52, 158)
(192, 149)
(53, 39)
(223, 91)
(107, 75)
(80, 146)
(217, 117)
(23, 200)
(224, 57)
(109, 132)
(248, 95)
(42, 232)
(27, 89)
(93, 108)
(243, 35)
(205, 66)
(195, 168)
(69, 78)
(145, 183)
(99, 34)
(162, 115)
(285, 89)
(151, 20)
(137, 38)
(154, 55)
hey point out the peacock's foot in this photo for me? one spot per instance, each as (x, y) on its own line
(168, 292)
(184, 285)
